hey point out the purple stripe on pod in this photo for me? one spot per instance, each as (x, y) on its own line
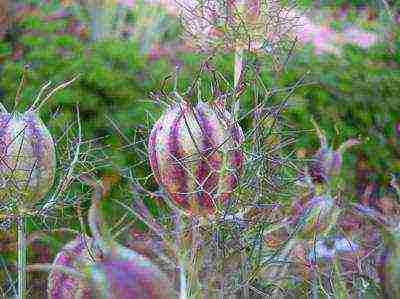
(35, 136)
(209, 165)
(175, 178)
(61, 285)
(153, 152)
(43, 160)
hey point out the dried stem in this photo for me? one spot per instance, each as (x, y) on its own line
(19, 90)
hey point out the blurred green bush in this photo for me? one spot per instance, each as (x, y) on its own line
(356, 94)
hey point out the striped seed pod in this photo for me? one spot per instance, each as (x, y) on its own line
(195, 155)
(117, 273)
(27, 158)
(327, 161)
(99, 267)
(389, 264)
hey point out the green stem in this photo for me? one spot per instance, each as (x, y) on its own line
(239, 52)
(22, 258)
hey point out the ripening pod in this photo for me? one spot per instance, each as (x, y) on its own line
(117, 273)
(74, 255)
(389, 265)
(327, 161)
(195, 155)
(98, 267)
(27, 158)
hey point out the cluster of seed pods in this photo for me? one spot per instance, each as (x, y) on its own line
(314, 217)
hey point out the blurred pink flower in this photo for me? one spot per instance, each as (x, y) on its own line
(128, 3)
(359, 37)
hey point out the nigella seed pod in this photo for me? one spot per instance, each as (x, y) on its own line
(195, 155)
(117, 273)
(98, 267)
(389, 264)
(62, 285)
(327, 161)
(27, 158)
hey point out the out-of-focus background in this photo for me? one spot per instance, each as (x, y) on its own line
(123, 51)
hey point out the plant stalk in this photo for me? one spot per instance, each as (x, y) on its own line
(239, 52)
(22, 250)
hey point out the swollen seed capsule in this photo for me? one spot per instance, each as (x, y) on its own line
(27, 158)
(327, 161)
(195, 155)
(120, 273)
(389, 265)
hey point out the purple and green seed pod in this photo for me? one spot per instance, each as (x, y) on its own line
(389, 265)
(27, 158)
(195, 155)
(117, 273)
(327, 161)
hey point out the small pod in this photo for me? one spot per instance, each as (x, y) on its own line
(119, 273)
(389, 265)
(98, 267)
(27, 158)
(327, 161)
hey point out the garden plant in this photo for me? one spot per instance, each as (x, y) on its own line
(199, 149)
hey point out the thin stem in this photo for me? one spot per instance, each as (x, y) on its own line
(19, 90)
(239, 52)
(22, 250)
(39, 96)
(183, 282)
(61, 86)
(3, 109)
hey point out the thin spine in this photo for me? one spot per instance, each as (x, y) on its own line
(59, 87)
(32, 107)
